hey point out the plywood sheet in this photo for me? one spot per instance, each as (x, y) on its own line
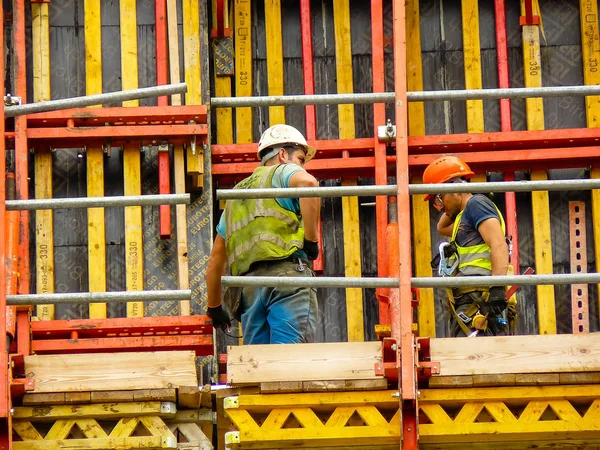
(517, 354)
(110, 371)
(302, 362)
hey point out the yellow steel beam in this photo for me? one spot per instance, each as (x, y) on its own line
(350, 213)
(243, 68)
(128, 443)
(534, 107)
(420, 208)
(472, 58)
(134, 255)
(95, 159)
(274, 58)
(191, 57)
(92, 411)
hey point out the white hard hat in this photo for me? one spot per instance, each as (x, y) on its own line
(284, 134)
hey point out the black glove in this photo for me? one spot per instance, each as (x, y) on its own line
(219, 316)
(497, 300)
(311, 249)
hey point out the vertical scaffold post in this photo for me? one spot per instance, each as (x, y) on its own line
(401, 308)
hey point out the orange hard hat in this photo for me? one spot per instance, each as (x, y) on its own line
(444, 169)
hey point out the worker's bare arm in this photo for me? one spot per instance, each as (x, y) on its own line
(492, 234)
(445, 225)
(215, 269)
(310, 208)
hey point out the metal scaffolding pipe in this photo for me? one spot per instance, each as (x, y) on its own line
(419, 96)
(96, 99)
(342, 191)
(96, 297)
(97, 202)
(420, 282)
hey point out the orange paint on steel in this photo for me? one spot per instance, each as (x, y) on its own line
(578, 250)
(120, 132)
(21, 148)
(11, 245)
(381, 172)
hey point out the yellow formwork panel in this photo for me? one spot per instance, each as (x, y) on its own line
(472, 59)
(243, 68)
(274, 57)
(515, 417)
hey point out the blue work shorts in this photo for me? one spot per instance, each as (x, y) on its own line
(279, 315)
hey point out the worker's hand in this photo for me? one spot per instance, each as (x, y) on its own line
(220, 317)
(311, 248)
(497, 300)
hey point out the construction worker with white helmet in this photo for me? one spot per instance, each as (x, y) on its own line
(478, 246)
(269, 237)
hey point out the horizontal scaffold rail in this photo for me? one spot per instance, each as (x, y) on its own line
(97, 297)
(93, 100)
(419, 282)
(97, 202)
(419, 96)
(474, 188)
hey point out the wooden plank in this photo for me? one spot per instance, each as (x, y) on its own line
(95, 411)
(129, 48)
(328, 385)
(366, 385)
(95, 159)
(110, 371)
(580, 378)
(517, 354)
(222, 89)
(26, 431)
(274, 48)
(532, 62)
(112, 443)
(243, 68)
(502, 379)
(451, 381)
(77, 397)
(277, 387)
(595, 173)
(52, 398)
(189, 396)
(302, 362)
(183, 278)
(542, 240)
(173, 34)
(191, 58)
(44, 233)
(40, 33)
(111, 396)
(165, 395)
(353, 266)
(472, 61)
(536, 379)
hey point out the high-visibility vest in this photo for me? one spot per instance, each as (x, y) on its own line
(260, 229)
(474, 259)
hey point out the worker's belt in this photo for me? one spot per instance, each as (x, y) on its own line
(257, 264)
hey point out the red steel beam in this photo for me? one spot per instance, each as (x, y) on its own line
(146, 132)
(380, 148)
(19, 62)
(162, 77)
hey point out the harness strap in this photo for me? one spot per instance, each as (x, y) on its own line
(470, 312)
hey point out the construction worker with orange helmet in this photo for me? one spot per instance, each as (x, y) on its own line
(269, 237)
(478, 246)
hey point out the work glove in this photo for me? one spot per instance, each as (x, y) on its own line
(311, 248)
(220, 317)
(497, 300)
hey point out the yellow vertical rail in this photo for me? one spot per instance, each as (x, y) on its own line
(44, 220)
(420, 208)
(95, 160)
(350, 213)
(243, 68)
(134, 256)
(534, 107)
(191, 58)
(472, 58)
(222, 89)
(590, 47)
(274, 58)
(183, 280)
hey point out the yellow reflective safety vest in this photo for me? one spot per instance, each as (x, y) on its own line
(474, 259)
(260, 229)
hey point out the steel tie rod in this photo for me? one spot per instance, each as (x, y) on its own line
(97, 202)
(417, 96)
(342, 191)
(97, 297)
(419, 282)
(96, 99)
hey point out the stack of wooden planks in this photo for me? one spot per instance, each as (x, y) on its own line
(117, 400)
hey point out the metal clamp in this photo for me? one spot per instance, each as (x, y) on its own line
(9, 100)
(386, 133)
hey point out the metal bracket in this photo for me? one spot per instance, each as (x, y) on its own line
(425, 367)
(388, 367)
(386, 133)
(231, 403)
(9, 100)
(163, 147)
